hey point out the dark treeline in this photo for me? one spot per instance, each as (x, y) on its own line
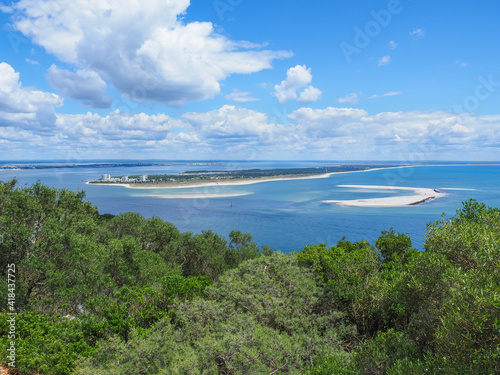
(286, 171)
(257, 173)
(17, 166)
(103, 294)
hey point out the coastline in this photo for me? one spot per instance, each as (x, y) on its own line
(421, 195)
(239, 182)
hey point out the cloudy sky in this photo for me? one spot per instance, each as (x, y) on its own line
(239, 79)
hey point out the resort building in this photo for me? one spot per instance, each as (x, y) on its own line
(125, 179)
(106, 177)
(143, 178)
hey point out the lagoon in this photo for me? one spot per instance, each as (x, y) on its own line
(285, 215)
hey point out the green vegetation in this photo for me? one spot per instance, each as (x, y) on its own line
(230, 175)
(103, 294)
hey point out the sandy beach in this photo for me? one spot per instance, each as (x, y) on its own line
(420, 195)
(238, 182)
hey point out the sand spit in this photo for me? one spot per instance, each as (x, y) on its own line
(239, 182)
(421, 195)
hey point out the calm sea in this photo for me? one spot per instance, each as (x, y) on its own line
(285, 215)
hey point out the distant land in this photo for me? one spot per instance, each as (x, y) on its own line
(229, 177)
(22, 166)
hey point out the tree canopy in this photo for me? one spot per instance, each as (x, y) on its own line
(105, 294)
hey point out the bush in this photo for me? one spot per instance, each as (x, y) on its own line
(51, 345)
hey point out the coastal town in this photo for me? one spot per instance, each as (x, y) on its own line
(219, 176)
(106, 178)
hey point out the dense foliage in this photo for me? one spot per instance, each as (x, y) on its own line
(104, 294)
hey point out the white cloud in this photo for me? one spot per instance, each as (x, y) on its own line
(5, 8)
(393, 45)
(436, 134)
(25, 107)
(417, 32)
(351, 98)
(118, 126)
(84, 86)
(240, 96)
(391, 93)
(234, 132)
(310, 94)
(461, 64)
(29, 127)
(32, 62)
(297, 78)
(146, 52)
(384, 60)
(329, 122)
(231, 124)
(221, 128)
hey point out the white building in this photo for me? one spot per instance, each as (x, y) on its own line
(106, 177)
(125, 179)
(143, 178)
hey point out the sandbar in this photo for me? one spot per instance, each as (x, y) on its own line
(421, 195)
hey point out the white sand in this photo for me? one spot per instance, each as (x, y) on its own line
(221, 183)
(240, 182)
(421, 195)
(197, 196)
(109, 184)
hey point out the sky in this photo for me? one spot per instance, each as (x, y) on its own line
(399, 80)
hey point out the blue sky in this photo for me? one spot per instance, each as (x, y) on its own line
(399, 80)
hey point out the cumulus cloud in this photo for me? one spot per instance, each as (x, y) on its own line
(226, 130)
(351, 98)
(329, 122)
(231, 124)
(434, 134)
(393, 45)
(240, 96)
(84, 86)
(118, 126)
(384, 60)
(233, 131)
(29, 126)
(297, 80)
(22, 107)
(146, 52)
(310, 94)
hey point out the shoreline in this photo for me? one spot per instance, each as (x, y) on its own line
(239, 182)
(421, 195)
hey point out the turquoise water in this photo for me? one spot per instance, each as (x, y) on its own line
(286, 215)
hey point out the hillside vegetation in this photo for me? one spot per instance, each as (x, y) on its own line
(102, 294)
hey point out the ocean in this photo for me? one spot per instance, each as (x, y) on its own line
(285, 215)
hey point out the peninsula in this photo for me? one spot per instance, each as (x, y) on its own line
(228, 177)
